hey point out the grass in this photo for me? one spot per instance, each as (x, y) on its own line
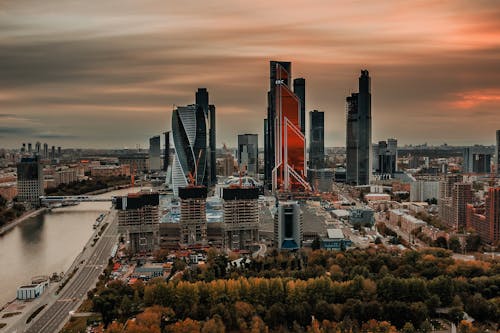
(11, 314)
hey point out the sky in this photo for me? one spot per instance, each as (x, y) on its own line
(108, 73)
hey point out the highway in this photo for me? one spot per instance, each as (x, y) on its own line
(56, 314)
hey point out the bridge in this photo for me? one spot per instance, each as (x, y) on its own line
(73, 198)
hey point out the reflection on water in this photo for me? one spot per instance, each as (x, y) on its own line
(45, 244)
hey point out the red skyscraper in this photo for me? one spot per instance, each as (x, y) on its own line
(289, 171)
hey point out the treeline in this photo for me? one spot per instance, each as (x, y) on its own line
(86, 186)
(9, 214)
(349, 290)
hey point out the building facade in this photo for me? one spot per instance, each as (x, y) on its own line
(359, 133)
(154, 153)
(299, 88)
(241, 217)
(288, 226)
(248, 154)
(30, 181)
(193, 218)
(485, 219)
(189, 137)
(477, 159)
(139, 220)
(462, 195)
(316, 139)
(202, 100)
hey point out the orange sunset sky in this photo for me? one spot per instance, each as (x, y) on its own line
(107, 73)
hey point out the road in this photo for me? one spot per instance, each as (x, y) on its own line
(56, 313)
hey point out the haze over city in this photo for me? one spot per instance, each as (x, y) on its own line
(107, 74)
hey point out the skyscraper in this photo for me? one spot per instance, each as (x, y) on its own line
(38, 147)
(462, 195)
(189, 137)
(299, 88)
(386, 155)
(485, 219)
(316, 139)
(30, 181)
(248, 154)
(477, 159)
(154, 153)
(45, 150)
(288, 226)
(202, 100)
(269, 135)
(166, 152)
(497, 154)
(289, 170)
(359, 133)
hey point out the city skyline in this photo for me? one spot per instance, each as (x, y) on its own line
(66, 64)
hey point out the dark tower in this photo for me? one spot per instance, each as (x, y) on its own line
(209, 109)
(316, 139)
(299, 88)
(166, 152)
(359, 133)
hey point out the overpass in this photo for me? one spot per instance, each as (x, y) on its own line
(73, 198)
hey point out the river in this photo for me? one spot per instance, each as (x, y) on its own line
(46, 243)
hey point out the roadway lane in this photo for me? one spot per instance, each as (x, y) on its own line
(53, 318)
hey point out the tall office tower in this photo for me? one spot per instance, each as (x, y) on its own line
(139, 220)
(30, 181)
(248, 154)
(269, 134)
(241, 217)
(493, 207)
(29, 147)
(316, 139)
(445, 206)
(209, 109)
(477, 159)
(386, 155)
(497, 154)
(155, 153)
(485, 219)
(45, 151)
(166, 151)
(299, 88)
(462, 195)
(193, 218)
(288, 226)
(359, 133)
(23, 148)
(38, 147)
(189, 137)
(289, 171)
(59, 152)
(53, 152)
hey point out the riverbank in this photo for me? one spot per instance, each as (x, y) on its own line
(20, 219)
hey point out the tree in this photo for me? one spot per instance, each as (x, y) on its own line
(455, 245)
(315, 245)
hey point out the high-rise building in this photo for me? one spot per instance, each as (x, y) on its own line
(189, 137)
(421, 190)
(38, 147)
(241, 217)
(248, 154)
(316, 139)
(445, 202)
(269, 130)
(477, 159)
(386, 157)
(485, 219)
(359, 133)
(139, 220)
(289, 172)
(288, 226)
(59, 152)
(155, 153)
(299, 88)
(30, 181)
(29, 147)
(193, 218)
(53, 152)
(462, 195)
(45, 151)
(497, 154)
(166, 151)
(202, 100)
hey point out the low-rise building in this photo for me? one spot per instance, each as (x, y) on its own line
(335, 240)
